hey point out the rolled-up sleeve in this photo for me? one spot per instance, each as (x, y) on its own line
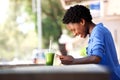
(98, 48)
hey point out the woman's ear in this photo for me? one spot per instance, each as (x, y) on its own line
(82, 22)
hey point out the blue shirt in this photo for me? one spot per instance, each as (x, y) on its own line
(101, 44)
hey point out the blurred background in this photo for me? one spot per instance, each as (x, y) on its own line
(26, 25)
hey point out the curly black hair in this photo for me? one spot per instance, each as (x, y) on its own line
(76, 13)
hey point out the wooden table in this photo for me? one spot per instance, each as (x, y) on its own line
(65, 72)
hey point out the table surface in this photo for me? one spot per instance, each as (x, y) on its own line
(64, 72)
(42, 68)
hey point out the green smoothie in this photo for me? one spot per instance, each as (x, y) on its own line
(49, 58)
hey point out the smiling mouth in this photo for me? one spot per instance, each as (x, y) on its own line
(82, 36)
(79, 35)
(76, 35)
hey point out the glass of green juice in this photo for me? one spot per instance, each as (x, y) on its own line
(49, 57)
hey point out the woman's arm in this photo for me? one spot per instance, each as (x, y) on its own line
(85, 60)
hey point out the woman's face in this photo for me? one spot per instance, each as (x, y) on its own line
(78, 29)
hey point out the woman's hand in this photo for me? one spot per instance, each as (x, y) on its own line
(66, 59)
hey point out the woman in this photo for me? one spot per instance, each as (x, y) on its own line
(101, 49)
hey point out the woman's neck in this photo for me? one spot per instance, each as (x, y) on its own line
(91, 26)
